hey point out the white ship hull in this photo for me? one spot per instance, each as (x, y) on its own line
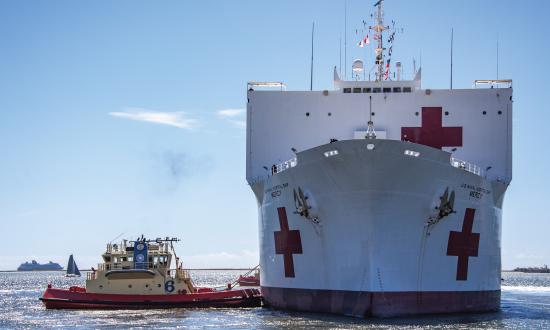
(372, 243)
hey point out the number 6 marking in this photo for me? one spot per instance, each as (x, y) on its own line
(169, 286)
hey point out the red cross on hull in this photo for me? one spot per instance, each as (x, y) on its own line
(287, 242)
(432, 133)
(464, 244)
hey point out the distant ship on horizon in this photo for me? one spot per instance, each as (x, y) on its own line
(544, 269)
(35, 266)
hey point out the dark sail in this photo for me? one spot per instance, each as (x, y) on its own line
(76, 271)
(72, 269)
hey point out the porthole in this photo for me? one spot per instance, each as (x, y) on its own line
(484, 112)
(370, 146)
(130, 285)
(146, 285)
(372, 113)
(329, 114)
(158, 285)
(416, 113)
(499, 112)
(307, 114)
(446, 113)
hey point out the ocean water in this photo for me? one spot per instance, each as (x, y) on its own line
(525, 305)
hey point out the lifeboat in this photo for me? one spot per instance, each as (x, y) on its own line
(250, 280)
(137, 275)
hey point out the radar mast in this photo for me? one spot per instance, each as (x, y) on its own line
(379, 29)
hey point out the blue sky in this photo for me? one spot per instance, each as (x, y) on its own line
(123, 116)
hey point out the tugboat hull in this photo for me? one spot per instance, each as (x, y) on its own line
(78, 298)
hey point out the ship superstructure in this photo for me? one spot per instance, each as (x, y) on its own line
(139, 267)
(380, 197)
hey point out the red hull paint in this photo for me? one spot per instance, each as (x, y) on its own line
(79, 299)
(381, 304)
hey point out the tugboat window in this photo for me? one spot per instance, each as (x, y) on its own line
(347, 90)
(397, 89)
(376, 90)
(357, 90)
(367, 90)
(387, 90)
(407, 90)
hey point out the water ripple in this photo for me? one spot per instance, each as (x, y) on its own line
(525, 305)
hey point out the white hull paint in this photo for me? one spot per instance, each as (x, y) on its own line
(373, 207)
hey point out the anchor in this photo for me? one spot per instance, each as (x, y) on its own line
(302, 206)
(445, 208)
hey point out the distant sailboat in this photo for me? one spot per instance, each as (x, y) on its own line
(72, 268)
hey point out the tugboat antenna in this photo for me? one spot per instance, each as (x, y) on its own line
(119, 236)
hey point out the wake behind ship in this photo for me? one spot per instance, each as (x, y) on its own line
(380, 198)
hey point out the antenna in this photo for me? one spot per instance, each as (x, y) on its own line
(497, 56)
(379, 29)
(340, 68)
(452, 57)
(311, 73)
(120, 235)
(345, 37)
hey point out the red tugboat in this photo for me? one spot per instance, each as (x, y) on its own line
(137, 275)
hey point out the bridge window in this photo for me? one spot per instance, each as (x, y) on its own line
(367, 90)
(376, 90)
(407, 89)
(387, 90)
(357, 89)
(347, 90)
(397, 89)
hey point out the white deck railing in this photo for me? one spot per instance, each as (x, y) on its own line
(464, 165)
